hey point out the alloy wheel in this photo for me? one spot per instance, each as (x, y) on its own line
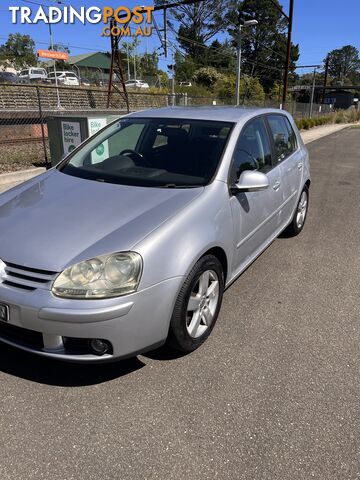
(202, 304)
(301, 209)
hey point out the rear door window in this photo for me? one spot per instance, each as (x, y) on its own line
(283, 136)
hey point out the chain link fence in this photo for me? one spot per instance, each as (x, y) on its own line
(25, 110)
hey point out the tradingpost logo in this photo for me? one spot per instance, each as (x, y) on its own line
(129, 22)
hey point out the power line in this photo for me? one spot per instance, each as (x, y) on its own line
(221, 52)
(35, 3)
(258, 41)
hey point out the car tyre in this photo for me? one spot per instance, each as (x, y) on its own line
(197, 305)
(299, 218)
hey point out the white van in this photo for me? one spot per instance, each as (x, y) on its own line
(33, 75)
(65, 78)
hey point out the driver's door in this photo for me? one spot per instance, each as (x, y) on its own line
(256, 215)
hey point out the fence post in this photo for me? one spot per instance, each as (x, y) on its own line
(42, 126)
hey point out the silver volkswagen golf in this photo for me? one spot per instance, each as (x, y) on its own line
(107, 256)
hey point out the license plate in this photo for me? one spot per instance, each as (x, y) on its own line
(4, 313)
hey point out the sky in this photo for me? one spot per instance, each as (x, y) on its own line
(319, 26)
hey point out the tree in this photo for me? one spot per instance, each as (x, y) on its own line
(148, 64)
(344, 63)
(263, 46)
(198, 24)
(184, 67)
(19, 50)
(60, 48)
(221, 56)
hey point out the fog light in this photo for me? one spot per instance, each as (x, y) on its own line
(99, 347)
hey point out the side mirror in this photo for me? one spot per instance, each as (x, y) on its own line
(250, 181)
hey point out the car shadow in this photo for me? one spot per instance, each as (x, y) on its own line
(164, 353)
(62, 374)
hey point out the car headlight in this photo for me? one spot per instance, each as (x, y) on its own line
(101, 277)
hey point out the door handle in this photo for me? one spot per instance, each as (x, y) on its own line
(300, 165)
(276, 185)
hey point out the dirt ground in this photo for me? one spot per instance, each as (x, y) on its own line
(21, 156)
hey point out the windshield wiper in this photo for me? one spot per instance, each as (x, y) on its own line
(177, 185)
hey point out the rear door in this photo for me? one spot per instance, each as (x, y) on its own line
(288, 156)
(255, 214)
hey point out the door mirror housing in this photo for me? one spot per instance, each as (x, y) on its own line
(250, 181)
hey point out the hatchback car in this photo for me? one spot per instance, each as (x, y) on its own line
(8, 77)
(106, 257)
(69, 79)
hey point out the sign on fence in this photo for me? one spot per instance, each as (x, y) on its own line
(71, 136)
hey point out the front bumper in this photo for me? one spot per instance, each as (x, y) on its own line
(131, 324)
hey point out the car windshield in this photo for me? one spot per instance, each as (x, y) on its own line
(153, 152)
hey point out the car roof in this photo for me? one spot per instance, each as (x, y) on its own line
(217, 113)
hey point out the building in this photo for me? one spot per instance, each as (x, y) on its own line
(94, 66)
(339, 98)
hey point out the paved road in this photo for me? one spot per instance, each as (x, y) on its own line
(273, 394)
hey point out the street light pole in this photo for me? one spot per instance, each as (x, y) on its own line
(171, 45)
(312, 92)
(173, 75)
(135, 63)
(56, 79)
(248, 23)
(238, 70)
(128, 61)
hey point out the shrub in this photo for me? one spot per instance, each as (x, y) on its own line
(206, 76)
(299, 123)
(306, 123)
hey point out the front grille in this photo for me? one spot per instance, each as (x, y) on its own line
(28, 338)
(27, 278)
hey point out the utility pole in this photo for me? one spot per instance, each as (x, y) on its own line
(325, 78)
(165, 32)
(288, 51)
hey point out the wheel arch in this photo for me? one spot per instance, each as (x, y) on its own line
(220, 254)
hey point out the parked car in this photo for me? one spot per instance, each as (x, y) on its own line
(136, 84)
(33, 75)
(103, 258)
(65, 78)
(185, 84)
(85, 82)
(8, 77)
